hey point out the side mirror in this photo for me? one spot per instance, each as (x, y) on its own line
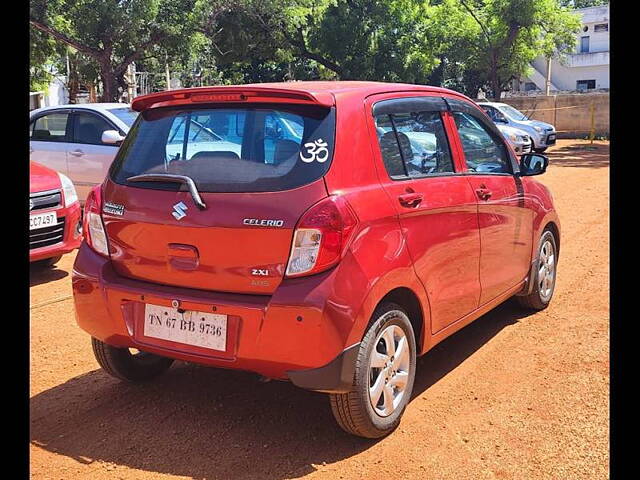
(111, 137)
(500, 119)
(533, 164)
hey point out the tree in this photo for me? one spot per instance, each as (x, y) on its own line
(364, 39)
(499, 38)
(43, 54)
(115, 33)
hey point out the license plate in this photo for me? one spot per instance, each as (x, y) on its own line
(200, 329)
(42, 220)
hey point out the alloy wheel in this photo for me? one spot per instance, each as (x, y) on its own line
(389, 370)
(546, 270)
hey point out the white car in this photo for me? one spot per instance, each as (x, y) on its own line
(79, 141)
(518, 139)
(542, 134)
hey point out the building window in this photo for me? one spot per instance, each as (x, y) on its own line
(586, 84)
(601, 27)
(584, 44)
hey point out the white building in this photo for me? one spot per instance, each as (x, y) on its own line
(56, 94)
(585, 69)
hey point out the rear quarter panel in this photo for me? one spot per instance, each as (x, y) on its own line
(540, 201)
(377, 260)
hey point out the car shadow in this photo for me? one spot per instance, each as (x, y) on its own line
(581, 155)
(211, 423)
(39, 274)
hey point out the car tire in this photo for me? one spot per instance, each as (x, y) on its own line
(48, 262)
(540, 149)
(545, 274)
(120, 363)
(355, 411)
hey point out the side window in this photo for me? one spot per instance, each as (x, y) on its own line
(491, 112)
(89, 128)
(483, 153)
(414, 144)
(389, 147)
(51, 128)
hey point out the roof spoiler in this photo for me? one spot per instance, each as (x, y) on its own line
(189, 96)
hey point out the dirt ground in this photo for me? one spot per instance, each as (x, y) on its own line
(512, 395)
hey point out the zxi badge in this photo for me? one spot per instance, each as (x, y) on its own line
(179, 211)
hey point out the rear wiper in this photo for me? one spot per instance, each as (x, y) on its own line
(167, 177)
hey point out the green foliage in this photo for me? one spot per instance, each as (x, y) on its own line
(44, 53)
(495, 40)
(460, 44)
(113, 33)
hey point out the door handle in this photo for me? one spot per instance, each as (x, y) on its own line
(410, 200)
(76, 153)
(483, 193)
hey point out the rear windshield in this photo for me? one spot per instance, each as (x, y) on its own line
(229, 149)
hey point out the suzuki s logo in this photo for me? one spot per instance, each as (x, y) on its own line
(179, 211)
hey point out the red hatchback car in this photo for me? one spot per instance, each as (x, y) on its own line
(324, 233)
(54, 215)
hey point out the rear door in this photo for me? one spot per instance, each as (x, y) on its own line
(504, 219)
(254, 187)
(435, 203)
(88, 158)
(48, 136)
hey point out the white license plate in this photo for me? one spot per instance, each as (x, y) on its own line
(200, 329)
(42, 220)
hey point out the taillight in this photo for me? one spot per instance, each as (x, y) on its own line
(321, 237)
(92, 223)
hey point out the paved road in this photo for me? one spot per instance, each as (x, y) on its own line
(510, 396)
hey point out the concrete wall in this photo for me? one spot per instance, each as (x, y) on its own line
(570, 114)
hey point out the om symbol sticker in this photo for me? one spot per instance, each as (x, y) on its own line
(316, 151)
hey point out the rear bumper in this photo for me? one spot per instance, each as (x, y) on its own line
(71, 238)
(289, 335)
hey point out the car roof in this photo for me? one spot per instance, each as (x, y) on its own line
(101, 107)
(494, 104)
(323, 92)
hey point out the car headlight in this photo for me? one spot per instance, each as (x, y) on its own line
(538, 129)
(513, 137)
(70, 195)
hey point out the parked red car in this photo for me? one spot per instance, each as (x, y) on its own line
(324, 233)
(54, 215)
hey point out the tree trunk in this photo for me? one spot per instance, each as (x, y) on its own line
(494, 83)
(109, 87)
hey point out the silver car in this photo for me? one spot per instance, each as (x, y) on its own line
(518, 139)
(79, 141)
(542, 134)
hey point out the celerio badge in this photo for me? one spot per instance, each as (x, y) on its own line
(179, 211)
